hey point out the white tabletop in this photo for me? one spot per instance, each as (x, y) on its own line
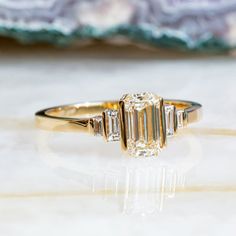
(74, 184)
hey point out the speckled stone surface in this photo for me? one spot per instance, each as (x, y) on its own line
(183, 24)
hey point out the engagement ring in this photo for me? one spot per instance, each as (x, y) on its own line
(141, 122)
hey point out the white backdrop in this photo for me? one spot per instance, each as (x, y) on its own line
(73, 184)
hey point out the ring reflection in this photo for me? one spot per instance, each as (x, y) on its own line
(138, 185)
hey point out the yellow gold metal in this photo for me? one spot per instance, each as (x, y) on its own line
(73, 117)
(162, 127)
(123, 134)
(79, 117)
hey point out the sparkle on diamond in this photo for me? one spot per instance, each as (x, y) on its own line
(144, 124)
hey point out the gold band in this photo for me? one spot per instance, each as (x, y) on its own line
(80, 117)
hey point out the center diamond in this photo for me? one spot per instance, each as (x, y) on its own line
(142, 124)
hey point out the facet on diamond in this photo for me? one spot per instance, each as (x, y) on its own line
(143, 118)
(180, 119)
(170, 119)
(98, 126)
(111, 125)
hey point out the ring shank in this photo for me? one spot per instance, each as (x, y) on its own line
(79, 117)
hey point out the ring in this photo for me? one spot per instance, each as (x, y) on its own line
(142, 122)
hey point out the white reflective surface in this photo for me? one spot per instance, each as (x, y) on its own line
(58, 184)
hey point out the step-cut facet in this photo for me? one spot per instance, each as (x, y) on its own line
(143, 131)
(180, 119)
(170, 120)
(111, 125)
(98, 126)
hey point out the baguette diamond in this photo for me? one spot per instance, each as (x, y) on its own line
(170, 119)
(98, 126)
(111, 125)
(180, 119)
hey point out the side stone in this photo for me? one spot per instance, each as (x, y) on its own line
(180, 119)
(170, 120)
(98, 125)
(111, 125)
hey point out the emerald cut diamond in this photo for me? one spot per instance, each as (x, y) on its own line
(143, 131)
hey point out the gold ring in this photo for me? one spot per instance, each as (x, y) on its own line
(141, 122)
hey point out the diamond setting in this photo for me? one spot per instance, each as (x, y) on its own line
(111, 125)
(170, 120)
(98, 126)
(180, 119)
(143, 126)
